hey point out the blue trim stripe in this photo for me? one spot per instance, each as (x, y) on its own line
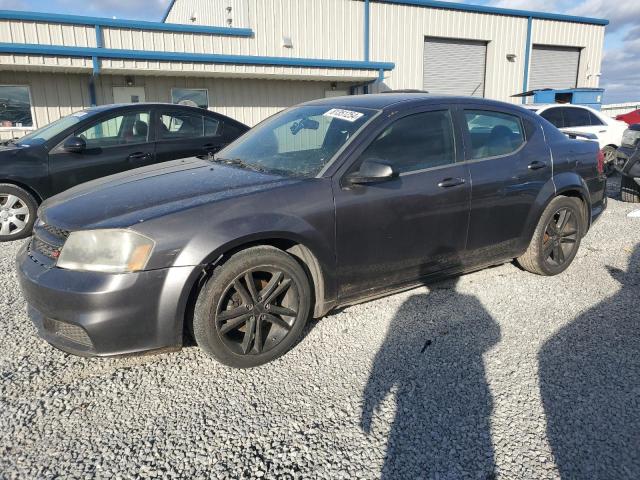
(168, 10)
(58, 50)
(527, 57)
(135, 24)
(498, 11)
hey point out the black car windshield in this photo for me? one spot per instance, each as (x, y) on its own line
(298, 142)
(49, 131)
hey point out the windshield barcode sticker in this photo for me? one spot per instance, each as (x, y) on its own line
(348, 115)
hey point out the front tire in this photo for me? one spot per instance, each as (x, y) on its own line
(556, 239)
(253, 309)
(17, 212)
(629, 190)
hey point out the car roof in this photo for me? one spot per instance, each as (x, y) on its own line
(540, 106)
(103, 108)
(382, 101)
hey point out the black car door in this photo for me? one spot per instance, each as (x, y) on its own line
(510, 163)
(185, 133)
(114, 143)
(410, 226)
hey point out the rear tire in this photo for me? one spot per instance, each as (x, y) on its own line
(556, 239)
(18, 211)
(629, 190)
(253, 309)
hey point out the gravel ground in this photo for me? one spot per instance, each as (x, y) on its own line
(498, 374)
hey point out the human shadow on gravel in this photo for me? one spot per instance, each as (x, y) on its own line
(431, 362)
(590, 386)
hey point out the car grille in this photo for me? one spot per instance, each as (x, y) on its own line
(46, 243)
(68, 331)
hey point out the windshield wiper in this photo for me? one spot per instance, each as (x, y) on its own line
(239, 163)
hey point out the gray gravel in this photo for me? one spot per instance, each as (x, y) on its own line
(498, 374)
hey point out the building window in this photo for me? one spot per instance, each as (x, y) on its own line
(192, 97)
(15, 107)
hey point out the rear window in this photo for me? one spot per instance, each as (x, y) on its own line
(493, 133)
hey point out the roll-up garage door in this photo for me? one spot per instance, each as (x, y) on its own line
(553, 67)
(454, 66)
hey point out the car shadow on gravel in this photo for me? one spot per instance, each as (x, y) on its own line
(590, 386)
(431, 362)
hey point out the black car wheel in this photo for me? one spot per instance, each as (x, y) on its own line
(17, 212)
(253, 309)
(556, 239)
(629, 190)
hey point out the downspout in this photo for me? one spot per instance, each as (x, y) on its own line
(366, 38)
(527, 56)
(96, 68)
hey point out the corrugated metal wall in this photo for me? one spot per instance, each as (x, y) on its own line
(590, 38)
(398, 33)
(210, 12)
(53, 95)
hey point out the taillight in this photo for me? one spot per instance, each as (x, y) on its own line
(600, 162)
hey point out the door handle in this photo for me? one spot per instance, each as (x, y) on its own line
(139, 156)
(536, 165)
(451, 182)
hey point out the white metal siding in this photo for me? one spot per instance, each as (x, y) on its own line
(398, 33)
(454, 67)
(210, 12)
(553, 67)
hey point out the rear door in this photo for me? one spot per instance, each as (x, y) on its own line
(410, 226)
(185, 133)
(509, 164)
(115, 142)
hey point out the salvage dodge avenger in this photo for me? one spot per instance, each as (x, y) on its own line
(325, 204)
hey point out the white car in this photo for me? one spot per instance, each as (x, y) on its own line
(582, 119)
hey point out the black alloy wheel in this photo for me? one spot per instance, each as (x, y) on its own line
(254, 307)
(561, 237)
(257, 311)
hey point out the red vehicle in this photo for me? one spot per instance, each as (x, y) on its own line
(631, 117)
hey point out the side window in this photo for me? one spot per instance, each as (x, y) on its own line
(554, 117)
(493, 133)
(594, 119)
(415, 142)
(231, 131)
(211, 127)
(576, 117)
(126, 129)
(180, 125)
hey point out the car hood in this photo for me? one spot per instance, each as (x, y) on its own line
(139, 195)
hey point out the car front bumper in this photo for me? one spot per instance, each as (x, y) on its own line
(98, 314)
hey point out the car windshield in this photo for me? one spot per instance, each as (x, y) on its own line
(49, 131)
(298, 142)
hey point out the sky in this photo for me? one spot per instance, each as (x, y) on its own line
(620, 68)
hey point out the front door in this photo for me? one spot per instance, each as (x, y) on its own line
(129, 95)
(510, 163)
(411, 226)
(119, 142)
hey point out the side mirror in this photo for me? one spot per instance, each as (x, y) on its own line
(371, 171)
(75, 145)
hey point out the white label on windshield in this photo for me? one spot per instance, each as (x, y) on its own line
(79, 114)
(348, 115)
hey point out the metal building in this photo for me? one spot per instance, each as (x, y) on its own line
(250, 58)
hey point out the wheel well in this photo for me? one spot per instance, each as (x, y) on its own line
(585, 206)
(33, 193)
(305, 257)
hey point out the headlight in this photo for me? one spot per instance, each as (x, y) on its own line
(110, 251)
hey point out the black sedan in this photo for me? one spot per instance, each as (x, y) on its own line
(628, 164)
(325, 204)
(97, 142)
